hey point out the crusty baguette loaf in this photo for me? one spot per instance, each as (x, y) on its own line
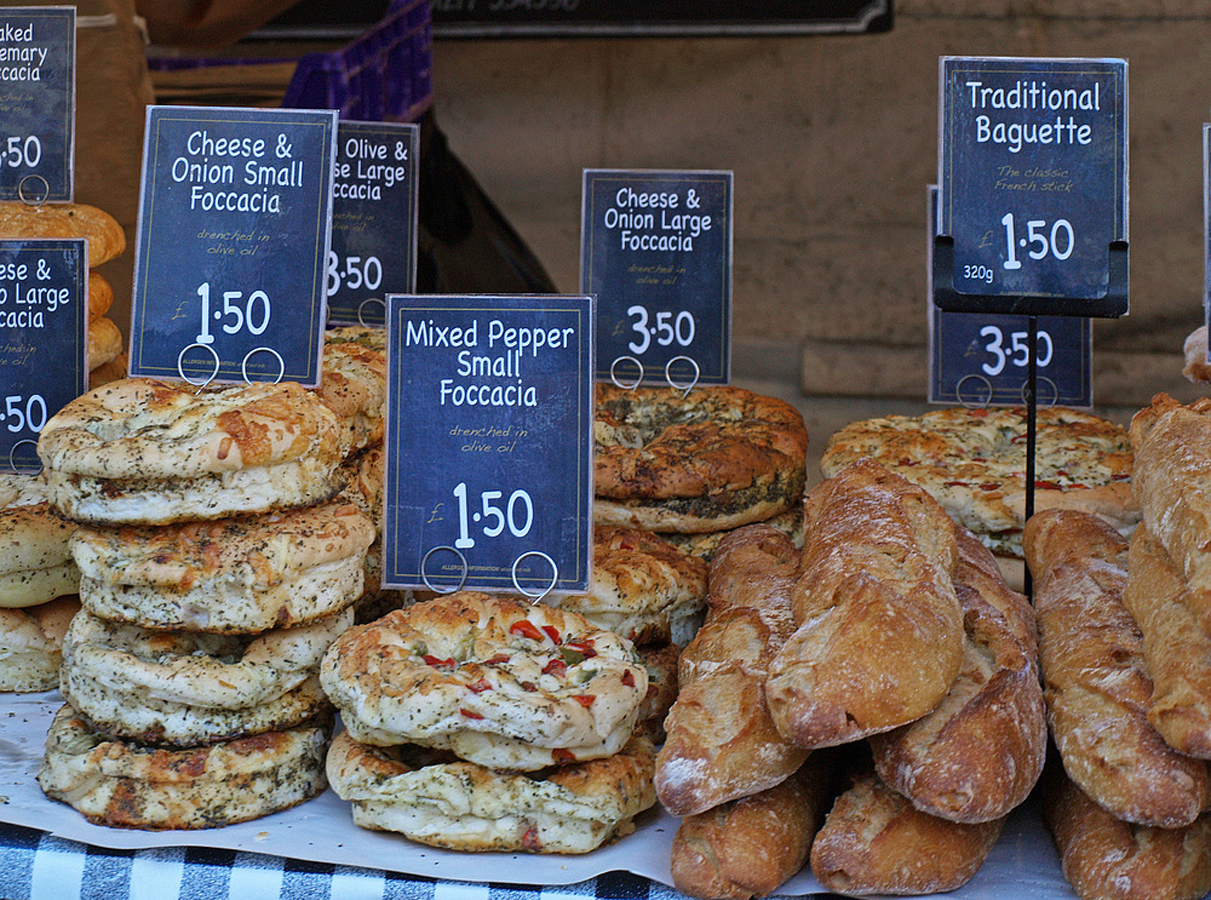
(978, 754)
(880, 631)
(1176, 650)
(873, 841)
(720, 741)
(1095, 681)
(1105, 858)
(751, 846)
(1172, 483)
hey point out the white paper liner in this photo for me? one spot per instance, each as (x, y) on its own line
(1023, 865)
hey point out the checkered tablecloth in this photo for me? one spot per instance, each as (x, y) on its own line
(37, 866)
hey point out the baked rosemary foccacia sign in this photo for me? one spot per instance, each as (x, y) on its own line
(1033, 177)
(488, 440)
(234, 230)
(37, 103)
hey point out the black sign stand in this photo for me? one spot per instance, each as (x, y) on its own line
(1111, 305)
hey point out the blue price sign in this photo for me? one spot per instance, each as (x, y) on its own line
(374, 211)
(43, 340)
(489, 442)
(656, 250)
(1033, 177)
(234, 225)
(37, 103)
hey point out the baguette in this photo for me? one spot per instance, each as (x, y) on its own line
(874, 841)
(751, 846)
(720, 742)
(1176, 651)
(880, 630)
(1172, 483)
(978, 754)
(1105, 858)
(1096, 685)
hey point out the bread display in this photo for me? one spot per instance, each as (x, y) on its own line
(721, 743)
(973, 462)
(31, 644)
(716, 459)
(452, 803)
(106, 239)
(879, 630)
(978, 754)
(1097, 686)
(751, 846)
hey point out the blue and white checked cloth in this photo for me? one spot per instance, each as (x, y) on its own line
(37, 866)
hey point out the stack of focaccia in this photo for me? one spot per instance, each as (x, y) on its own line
(219, 560)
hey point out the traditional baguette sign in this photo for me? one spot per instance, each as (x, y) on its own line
(981, 360)
(37, 103)
(235, 219)
(1033, 179)
(373, 220)
(43, 340)
(656, 251)
(489, 442)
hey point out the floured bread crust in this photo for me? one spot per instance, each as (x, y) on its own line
(31, 645)
(499, 682)
(130, 785)
(973, 462)
(720, 458)
(144, 451)
(235, 575)
(462, 806)
(186, 688)
(106, 239)
(642, 587)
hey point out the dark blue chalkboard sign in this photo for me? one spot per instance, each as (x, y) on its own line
(43, 340)
(982, 359)
(656, 250)
(1033, 179)
(37, 103)
(374, 210)
(234, 223)
(489, 442)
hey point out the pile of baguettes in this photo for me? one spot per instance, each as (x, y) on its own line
(216, 567)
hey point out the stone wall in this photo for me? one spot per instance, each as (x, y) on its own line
(833, 140)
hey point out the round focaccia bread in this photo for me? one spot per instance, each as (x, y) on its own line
(36, 564)
(130, 785)
(106, 239)
(462, 806)
(499, 682)
(187, 688)
(104, 342)
(354, 384)
(31, 645)
(142, 451)
(367, 335)
(719, 458)
(241, 575)
(642, 587)
(973, 462)
(705, 544)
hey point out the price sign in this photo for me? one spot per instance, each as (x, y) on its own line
(373, 220)
(489, 442)
(43, 340)
(234, 224)
(37, 103)
(981, 359)
(1033, 168)
(656, 250)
